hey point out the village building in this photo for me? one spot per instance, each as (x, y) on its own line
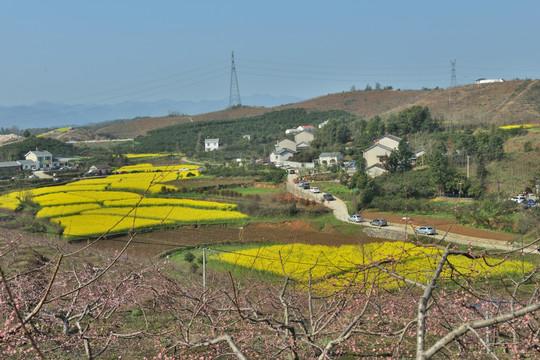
(304, 137)
(285, 144)
(302, 146)
(279, 156)
(300, 129)
(330, 158)
(28, 164)
(211, 144)
(99, 169)
(390, 141)
(9, 167)
(42, 157)
(487, 81)
(375, 170)
(378, 153)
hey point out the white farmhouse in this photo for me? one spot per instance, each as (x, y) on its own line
(42, 157)
(279, 156)
(211, 144)
(330, 158)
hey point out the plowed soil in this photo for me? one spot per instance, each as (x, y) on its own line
(151, 244)
(442, 226)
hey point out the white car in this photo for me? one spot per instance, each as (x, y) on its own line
(519, 199)
(355, 218)
(315, 190)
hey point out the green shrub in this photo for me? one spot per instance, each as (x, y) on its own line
(189, 257)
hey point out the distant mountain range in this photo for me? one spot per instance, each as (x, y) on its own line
(46, 114)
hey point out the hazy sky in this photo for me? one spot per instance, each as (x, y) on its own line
(82, 52)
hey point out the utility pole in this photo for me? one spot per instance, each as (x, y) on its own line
(234, 95)
(468, 157)
(453, 82)
(204, 273)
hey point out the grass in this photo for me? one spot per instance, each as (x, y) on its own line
(254, 190)
(215, 265)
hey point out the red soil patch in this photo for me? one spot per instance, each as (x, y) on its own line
(442, 226)
(151, 244)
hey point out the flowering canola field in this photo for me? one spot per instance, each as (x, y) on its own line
(152, 155)
(334, 267)
(525, 126)
(119, 203)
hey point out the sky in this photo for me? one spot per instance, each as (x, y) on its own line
(106, 52)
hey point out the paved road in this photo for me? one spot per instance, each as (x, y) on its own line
(341, 213)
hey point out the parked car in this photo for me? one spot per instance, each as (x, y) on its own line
(292, 171)
(300, 184)
(355, 218)
(315, 190)
(378, 222)
(519, 199)
(425, 230)
(328, 197)
(33, 176)
(306, 185)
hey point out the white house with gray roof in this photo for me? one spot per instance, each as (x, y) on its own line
(377, 154)
(211, 144)
(285, 144)
(279, 156)
(330, 158)
(42, 157)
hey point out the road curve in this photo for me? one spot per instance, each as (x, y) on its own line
(341, 213)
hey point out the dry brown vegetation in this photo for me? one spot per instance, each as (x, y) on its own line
(511, 102)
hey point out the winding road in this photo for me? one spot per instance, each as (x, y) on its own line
(341, 213)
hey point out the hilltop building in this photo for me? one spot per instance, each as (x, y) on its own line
(487, 81)
(211, 144)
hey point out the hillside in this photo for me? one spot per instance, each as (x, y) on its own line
(511, 102)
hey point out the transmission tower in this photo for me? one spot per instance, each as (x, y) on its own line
(234, 97)
(453, 74)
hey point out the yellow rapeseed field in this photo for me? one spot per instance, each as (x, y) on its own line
(526, 126)
(198, 204)
(135, 156)
(152, 168)
(119, 203)
(65, 210)
(95, 225)
(178, 214)
(338, 266)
